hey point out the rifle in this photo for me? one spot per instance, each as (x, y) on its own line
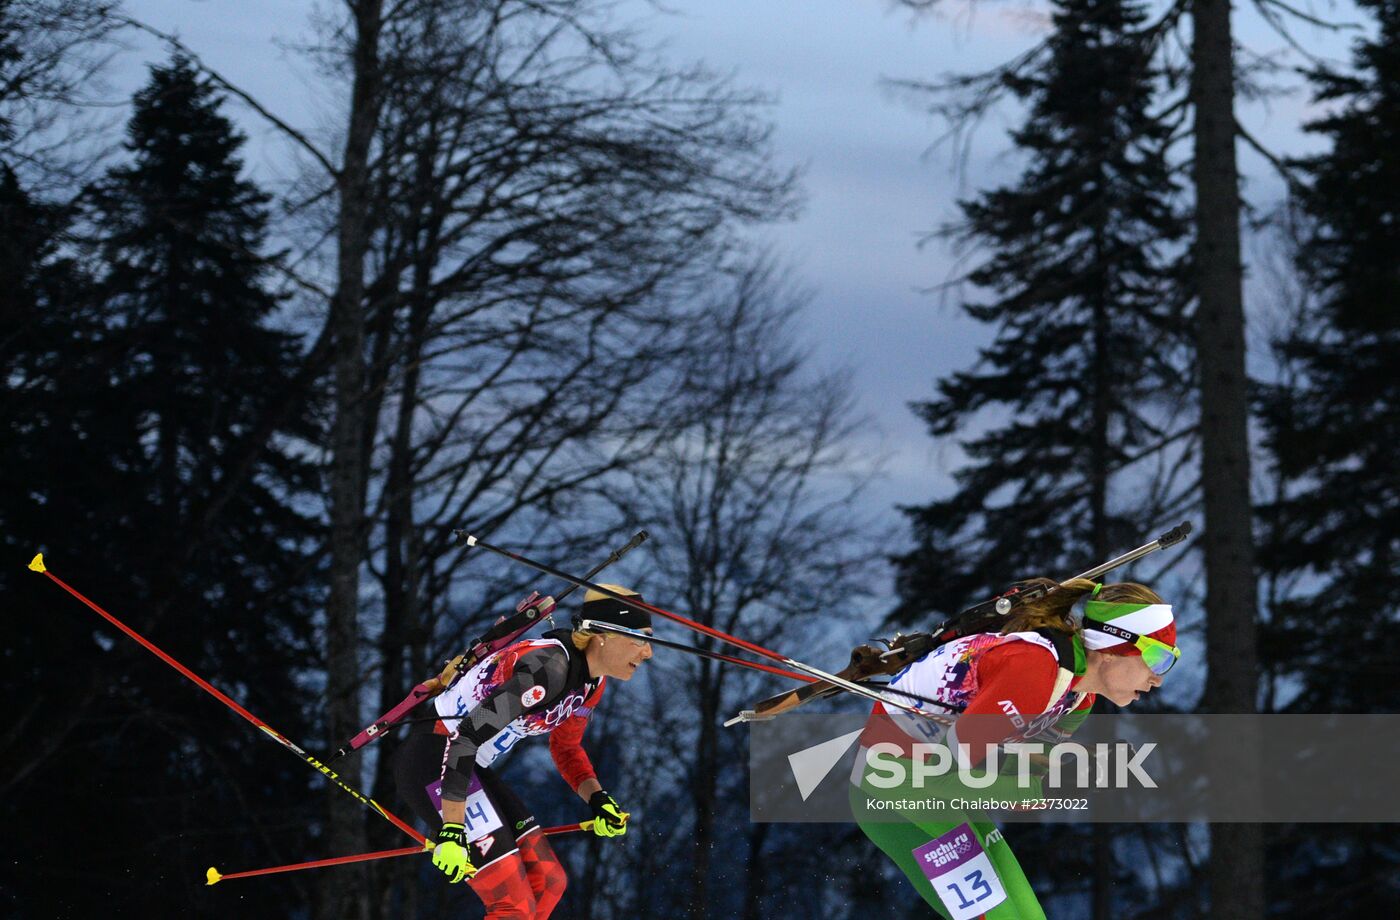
(868, 661)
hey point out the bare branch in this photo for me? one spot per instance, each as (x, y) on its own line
(1286, 171)
(298, 137)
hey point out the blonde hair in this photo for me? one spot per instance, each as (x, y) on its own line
(1128, 592)
(1053, 610)
(581, 638)
(590, 596)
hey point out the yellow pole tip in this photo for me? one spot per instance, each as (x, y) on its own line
(212, 876)
(37, 563)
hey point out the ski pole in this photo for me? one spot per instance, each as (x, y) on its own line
(214, 876)
(37, 565)
(812, 674)
(625, 601)
(595, 626)
(499, 630)
(877, 686)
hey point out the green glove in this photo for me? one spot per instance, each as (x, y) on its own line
(609, 820)
(451, 855)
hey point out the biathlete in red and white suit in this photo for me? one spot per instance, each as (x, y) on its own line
(1034, 680)
(540, 686)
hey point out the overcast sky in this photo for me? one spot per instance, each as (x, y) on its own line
(871, 189)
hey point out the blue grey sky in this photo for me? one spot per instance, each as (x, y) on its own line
(872, 187)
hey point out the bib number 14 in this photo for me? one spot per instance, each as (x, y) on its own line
(479, 818)
(961, 873)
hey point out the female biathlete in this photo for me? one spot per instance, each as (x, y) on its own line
(534, 687)
(1036, 679)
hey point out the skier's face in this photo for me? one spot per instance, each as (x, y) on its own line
(1126, 678)
(620, 656)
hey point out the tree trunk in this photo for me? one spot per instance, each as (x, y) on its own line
(1100, 834)
(1236, 865)
(704, 792)
(754, 869)
(402, 587)
(345, 896)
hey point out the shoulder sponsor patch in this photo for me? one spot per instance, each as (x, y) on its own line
(1012, 713)
(532, 696)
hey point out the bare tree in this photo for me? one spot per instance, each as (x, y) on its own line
(503, 241)
(346, 324)
(754, 508)
(522, 205)
(545, 202)
(52, 55)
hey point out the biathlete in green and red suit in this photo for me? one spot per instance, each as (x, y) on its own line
(541, 686)
(1034, 680)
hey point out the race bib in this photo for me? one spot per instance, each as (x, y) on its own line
(961, 873)
(500, 745)
(480, 818)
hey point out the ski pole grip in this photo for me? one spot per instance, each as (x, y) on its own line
(1175, 535)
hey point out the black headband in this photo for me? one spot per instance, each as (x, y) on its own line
(607, 610)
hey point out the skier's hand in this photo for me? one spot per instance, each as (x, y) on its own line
(451, 854)
(609, 820)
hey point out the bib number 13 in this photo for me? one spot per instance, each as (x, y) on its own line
(961, 873)
(978, 887)
(970, 891)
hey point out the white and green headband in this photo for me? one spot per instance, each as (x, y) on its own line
(1142, 619)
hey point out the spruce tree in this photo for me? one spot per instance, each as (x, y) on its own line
(1332, 434)
(132, 387)
(1335, 532)
(49, 320)
(1075, 399)
(182, 238)
(1089, 358)
(60, 427)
